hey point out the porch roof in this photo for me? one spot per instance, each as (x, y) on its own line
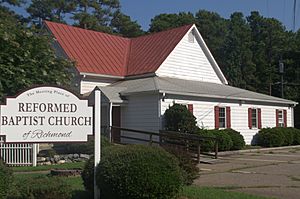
(191, 88)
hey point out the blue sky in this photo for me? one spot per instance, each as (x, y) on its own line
(144, 10)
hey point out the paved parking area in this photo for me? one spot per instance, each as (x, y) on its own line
(273, 173)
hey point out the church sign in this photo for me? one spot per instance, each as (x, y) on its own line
(46, 114)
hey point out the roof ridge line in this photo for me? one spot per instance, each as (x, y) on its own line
(163, 31)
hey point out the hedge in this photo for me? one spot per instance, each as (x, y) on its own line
(278, 136)
(137, 171)
(237, 139)
(41, 187)
(5, 180)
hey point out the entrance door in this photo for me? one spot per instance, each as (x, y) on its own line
(116, 121)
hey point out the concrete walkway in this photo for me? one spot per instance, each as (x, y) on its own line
(274, 173)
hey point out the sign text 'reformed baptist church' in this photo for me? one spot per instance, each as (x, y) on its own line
(46, 114)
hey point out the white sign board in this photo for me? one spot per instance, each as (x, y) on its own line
(46, 114)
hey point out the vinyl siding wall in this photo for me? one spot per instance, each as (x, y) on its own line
(140, 113)
(89, 85)
(188, 61)
(204, 112)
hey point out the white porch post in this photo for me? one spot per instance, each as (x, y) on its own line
(110, 122)
(34, 155)
(97, 137)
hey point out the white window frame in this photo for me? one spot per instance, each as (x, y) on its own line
(225, 117)
(256, 119)
(280, 120)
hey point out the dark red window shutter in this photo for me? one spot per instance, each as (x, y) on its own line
(250, 118)
(259, 118)
(277, 118)
(228, 117)
(217, 125)
(285, 118)
(191, 108)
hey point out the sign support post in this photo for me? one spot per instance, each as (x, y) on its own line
(34, 155)
(97, 138)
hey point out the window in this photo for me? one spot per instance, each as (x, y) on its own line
(222, 117)
(280, 118)
(254, 118)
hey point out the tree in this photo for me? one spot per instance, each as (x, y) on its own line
(238, 66)
(213, 29)
(123, 25)
(166, 21)
(26, 57)
(50, 10)
(95, 14)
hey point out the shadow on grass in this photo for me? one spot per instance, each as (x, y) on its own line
(81, 194)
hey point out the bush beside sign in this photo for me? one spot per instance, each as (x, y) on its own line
(46, 114)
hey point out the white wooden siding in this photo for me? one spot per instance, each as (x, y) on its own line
(204, 112)
(188, 61)
(88, 86)
(141, 113)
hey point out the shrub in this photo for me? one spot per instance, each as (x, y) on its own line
(87, 174)
(209, 144)
(296, 133)
(224, 140)
(268, 137)
(179, 118)
(5, 180)
(137, 171)
(42, 187)
(83, 148)
(288, 136)
(238, 141)
(188, 166)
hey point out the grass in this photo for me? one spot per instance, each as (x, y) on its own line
(194, 192)
(73, 165)
(188, 192)
(252, 147)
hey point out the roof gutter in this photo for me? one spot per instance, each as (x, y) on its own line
(226, 97)
(99, 75)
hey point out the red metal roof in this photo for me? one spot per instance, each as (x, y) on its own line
(101, 53)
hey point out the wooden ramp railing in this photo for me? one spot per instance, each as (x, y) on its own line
(188, 142)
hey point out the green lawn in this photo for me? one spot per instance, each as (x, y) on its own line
(188, 192)
(73, 165)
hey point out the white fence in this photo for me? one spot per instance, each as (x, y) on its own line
(18, 154)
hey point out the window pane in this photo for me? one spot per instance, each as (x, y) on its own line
(222, 117)
(280, 118)
(254, 117)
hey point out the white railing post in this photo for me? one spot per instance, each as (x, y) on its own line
(97, 137)
(34, 155)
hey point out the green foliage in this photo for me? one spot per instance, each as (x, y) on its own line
(123, 25)
(270, 137)
(237, 139)
(87, 174)
(278, 136)
(137, 171)
(166, 21)
(26, 58)
(187, 165)
(84, 148)
(179, 118)
(5, 180)
(208, 144)
(41, 187)
(224, 140)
